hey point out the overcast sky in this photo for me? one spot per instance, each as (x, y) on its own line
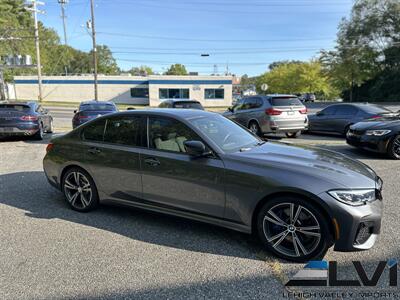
(245, 35)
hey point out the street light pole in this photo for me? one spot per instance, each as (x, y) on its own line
(62, 3)
(39, 66)
(94, 50)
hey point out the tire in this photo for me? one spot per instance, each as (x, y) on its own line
(80, 190)
(309, 244)
(50, 129)
(39, 134)
(394, 148)
(255, 128)
(293, 135)
(346, 130)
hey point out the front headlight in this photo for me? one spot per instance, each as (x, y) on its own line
(354, 197)
(377, 132)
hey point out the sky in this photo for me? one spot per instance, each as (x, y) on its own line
(244, 36)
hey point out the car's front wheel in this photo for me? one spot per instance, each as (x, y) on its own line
(394, 148)
(254, 128)
(293, 229)
(80, 190)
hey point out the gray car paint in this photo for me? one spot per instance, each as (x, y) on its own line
(226, 189)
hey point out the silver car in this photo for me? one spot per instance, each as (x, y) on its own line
(270, 114)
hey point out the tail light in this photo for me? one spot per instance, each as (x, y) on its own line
(376, 117)
(273, 112)
(303, 111)
(83, 117)
(29, 118)
(49, 147)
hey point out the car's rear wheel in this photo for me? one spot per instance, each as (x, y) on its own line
(254, 128)
(80, 190)
(292, 135)
(293, 229)
(50, 129)
(394, 148)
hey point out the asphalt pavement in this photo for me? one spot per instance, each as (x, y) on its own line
(48, 251)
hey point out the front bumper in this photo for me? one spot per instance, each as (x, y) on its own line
(368, 142)
(356, 227)
(19, 129)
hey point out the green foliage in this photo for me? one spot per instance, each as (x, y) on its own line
(141, 71)
(176, 69)
(106, 63)
(296, 77)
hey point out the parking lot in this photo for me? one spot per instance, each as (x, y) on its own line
(49, 251)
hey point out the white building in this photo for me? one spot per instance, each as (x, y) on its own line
(211, 91)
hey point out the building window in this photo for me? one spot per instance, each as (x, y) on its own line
(214, 93)
(140, 92)
(174, 93)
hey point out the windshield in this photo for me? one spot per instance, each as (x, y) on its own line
(376, 109)
(229, 136)
(14, 107)
(193, 105)
(97, 107)
(285, 101)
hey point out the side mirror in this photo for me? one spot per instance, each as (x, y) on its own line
(196, 149)
(230, 109)
(75, 111)
(320, 113)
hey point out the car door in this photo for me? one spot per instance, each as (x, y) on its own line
(44, 116)
(242, 113)
(113, 156)
(344, 115)
(172, 178)
(321, 121)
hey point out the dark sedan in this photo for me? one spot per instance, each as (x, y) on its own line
(199, 165)
(24, 119)
(381, 135)
(90, 110)
(181, 103)
(338, 118)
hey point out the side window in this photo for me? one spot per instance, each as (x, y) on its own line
(259, 102)
(169, 135)
(346, 110)
(245, 104)
(94, 131)
(329, 111)
(124, 130)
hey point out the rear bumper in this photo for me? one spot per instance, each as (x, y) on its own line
(19, 129)
(278, 126)
(357, 226)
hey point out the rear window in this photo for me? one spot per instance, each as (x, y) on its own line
(15, 107)
(285, 101)
(97, 107)
(375, 109)
(194, 105)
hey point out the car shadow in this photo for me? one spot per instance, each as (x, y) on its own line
(27, 139)
(30, 191)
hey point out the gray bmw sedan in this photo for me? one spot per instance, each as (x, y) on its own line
(199, 165)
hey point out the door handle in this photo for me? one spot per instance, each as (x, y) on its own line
(94, 150)
(151, 161)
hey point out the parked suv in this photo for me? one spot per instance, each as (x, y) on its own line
(270, 114)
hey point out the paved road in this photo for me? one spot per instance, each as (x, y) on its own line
(48, 251)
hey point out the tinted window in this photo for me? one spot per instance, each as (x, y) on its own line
(330, 110)
(214, 93)
(229, 136)
(140, 92)
(97, 107)
(285, 101)
(375, 109)
(94, 131)
(346, 110)
(174, 93)
(253, 102)
(186, 104)
(15, 107)
(123, 131)
(169, 134)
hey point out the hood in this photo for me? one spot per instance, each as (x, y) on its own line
(384, 123)
(317, 162)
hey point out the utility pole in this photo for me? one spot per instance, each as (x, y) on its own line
(92, 25)
(34, 9)
(62, 3)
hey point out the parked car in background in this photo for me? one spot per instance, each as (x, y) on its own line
(90, 110)
(379, 135)
(308, 97)
(337, 118)
(25, 119)
(200, 165)
(181, 103)
(270, 114)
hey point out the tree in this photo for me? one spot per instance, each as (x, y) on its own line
(106, 63)
(141, 71)
(176, 69)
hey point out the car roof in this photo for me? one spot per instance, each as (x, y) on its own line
(359, 105)
(94, 102)
(170, 112)
(272, 96)
(181, 100)
(28, 103)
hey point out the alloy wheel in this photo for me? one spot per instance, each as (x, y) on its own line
(291, 229)
(78, 190)
(396, 147)
(254, 128)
